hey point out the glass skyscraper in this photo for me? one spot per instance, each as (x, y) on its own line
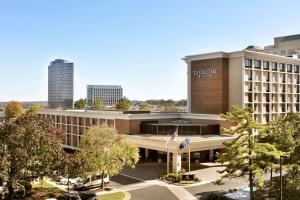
(60, 84)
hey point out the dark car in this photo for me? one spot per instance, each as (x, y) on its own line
(87, 195)
(69, 196)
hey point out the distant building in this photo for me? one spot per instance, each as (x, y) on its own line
(60, 84)
(109, 94)
(285, 46)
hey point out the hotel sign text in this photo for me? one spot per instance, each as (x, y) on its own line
(205, 72)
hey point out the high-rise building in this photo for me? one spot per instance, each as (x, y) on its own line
(109, 94)
(60, 84)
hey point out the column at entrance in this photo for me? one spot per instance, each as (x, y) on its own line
(146, 154)
(176, 163)
(211, 155)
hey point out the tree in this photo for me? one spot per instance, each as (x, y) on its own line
(145, 106)
(123, 104)
(80, 104)
(98, 104)
(33, 108)
(13, 109)
(104, 150)
(245, 155)
(169, 109)
(29, 147)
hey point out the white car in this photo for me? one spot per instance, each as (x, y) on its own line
(91, 182)
(71, 181)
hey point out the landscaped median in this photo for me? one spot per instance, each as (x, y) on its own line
(180, 178)
(115, 196)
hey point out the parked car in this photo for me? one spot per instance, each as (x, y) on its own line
(87, 195)
(91, 182)
(72, 181)
(69, 196)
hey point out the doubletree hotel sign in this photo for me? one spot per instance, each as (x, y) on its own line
(205, 72)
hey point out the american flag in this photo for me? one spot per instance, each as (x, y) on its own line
(173, 137)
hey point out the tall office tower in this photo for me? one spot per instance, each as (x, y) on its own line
(109, 94)
(60, 84)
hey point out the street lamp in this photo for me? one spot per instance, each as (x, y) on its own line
(286, 157)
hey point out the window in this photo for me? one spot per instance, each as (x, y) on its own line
(274, 66)
(257, 64)
(268, 88)
(289, 68)
(283, 78)
(250, 76)
(282, 98)
(268, 77)
(249, 97)
(248, 63)
(282, 67)
(250, 87)
(266, 65)
(296, 68)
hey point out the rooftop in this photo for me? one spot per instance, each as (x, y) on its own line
(128, 115)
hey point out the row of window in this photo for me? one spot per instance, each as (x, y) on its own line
(258, 64)
(271, 98)
(82, 121)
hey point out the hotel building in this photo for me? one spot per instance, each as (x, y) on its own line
(109, 94)
(266, 82)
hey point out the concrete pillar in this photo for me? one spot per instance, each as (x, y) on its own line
(146, 154)
(211, 154)
(176, 163)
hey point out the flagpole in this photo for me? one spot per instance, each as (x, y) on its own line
(168, 158)
(189, 158)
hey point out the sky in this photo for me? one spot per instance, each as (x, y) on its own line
(138, 44)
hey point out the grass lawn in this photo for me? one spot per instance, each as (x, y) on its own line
(45, 190)
(113, 196)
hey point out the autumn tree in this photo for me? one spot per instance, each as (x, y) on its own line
(29, 147)
(13, 109)
(144, 106)
(123, 104)
(98, 104)
(80, 104)
(246, 155)
(104, 150)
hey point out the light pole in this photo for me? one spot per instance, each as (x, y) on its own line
(281, 190)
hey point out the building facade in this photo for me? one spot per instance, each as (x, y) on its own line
(285, 46)
(267, 83)
(149, 131)
(109, 94)
(60, 84)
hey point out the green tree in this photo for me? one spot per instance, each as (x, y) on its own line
(29, 147)
(104, 150)
(123, 104)
(80, 104)
(98, 104)
(13, 109)
(245, 155)
(145, 106)
(33, 108)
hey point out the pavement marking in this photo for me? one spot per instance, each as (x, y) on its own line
(144, 184)
(132, 177)
(181, 193)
